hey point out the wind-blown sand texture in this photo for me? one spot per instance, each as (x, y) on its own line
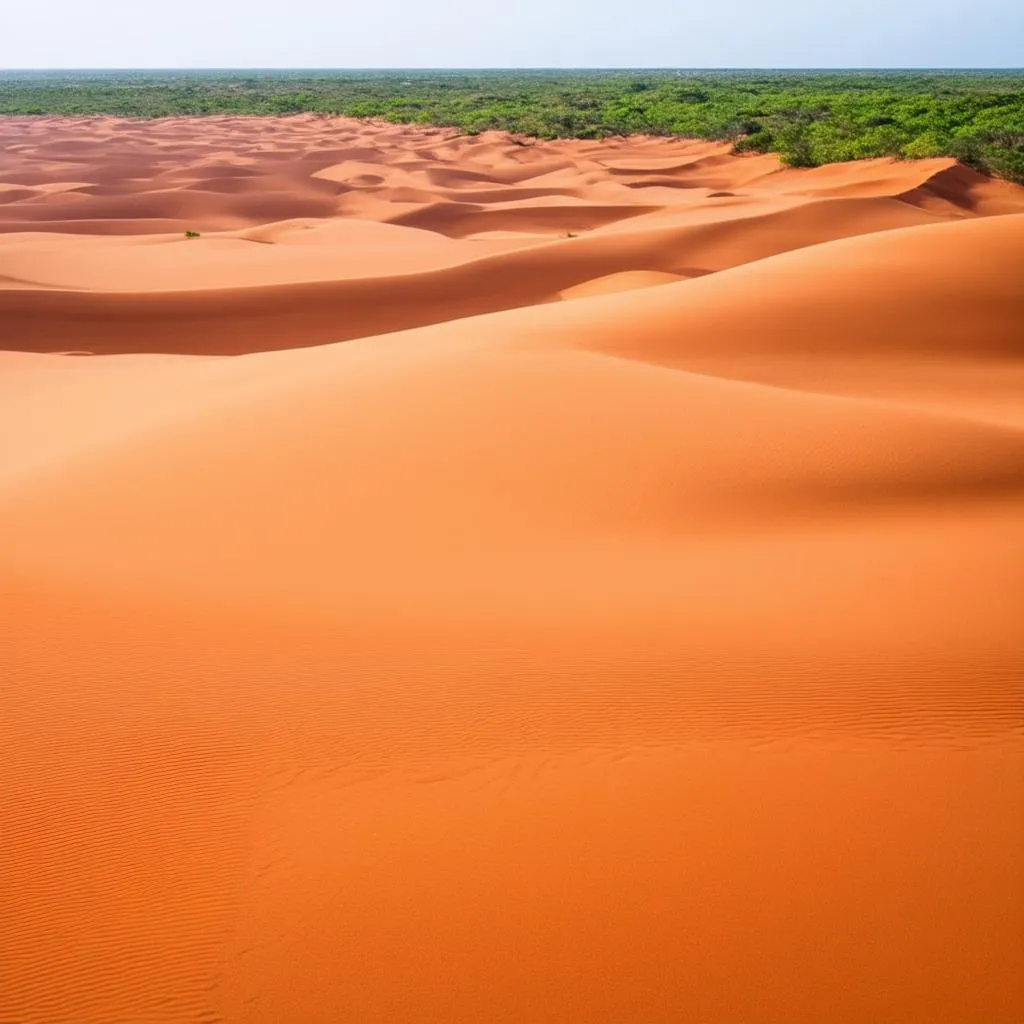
(593, 592)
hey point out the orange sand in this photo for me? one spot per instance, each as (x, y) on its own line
(621, 625)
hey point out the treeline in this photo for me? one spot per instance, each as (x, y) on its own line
(808, 117)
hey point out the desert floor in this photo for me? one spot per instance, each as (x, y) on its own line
(489, 581)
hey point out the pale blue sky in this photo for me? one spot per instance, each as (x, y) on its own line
(515, 33)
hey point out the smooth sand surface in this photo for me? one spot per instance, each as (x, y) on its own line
(491, 581)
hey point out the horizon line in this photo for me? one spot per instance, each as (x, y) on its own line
(529, 67)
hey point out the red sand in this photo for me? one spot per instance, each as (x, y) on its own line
(624, 625)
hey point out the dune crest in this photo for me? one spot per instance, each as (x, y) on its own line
(590, 591)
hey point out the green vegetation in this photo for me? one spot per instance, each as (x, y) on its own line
(191, 234)
(809, 117)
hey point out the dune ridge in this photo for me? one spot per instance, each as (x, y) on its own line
(590, 590)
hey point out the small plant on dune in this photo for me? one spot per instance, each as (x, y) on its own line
(191, 234)
(570, 234)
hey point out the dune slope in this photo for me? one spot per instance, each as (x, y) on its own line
(622, 627)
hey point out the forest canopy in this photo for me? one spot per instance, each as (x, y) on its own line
(808, 117)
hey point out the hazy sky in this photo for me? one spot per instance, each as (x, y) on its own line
(514, 33)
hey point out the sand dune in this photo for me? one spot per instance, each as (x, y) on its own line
(520, 627)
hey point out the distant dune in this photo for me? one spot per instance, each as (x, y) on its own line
(592, 592)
